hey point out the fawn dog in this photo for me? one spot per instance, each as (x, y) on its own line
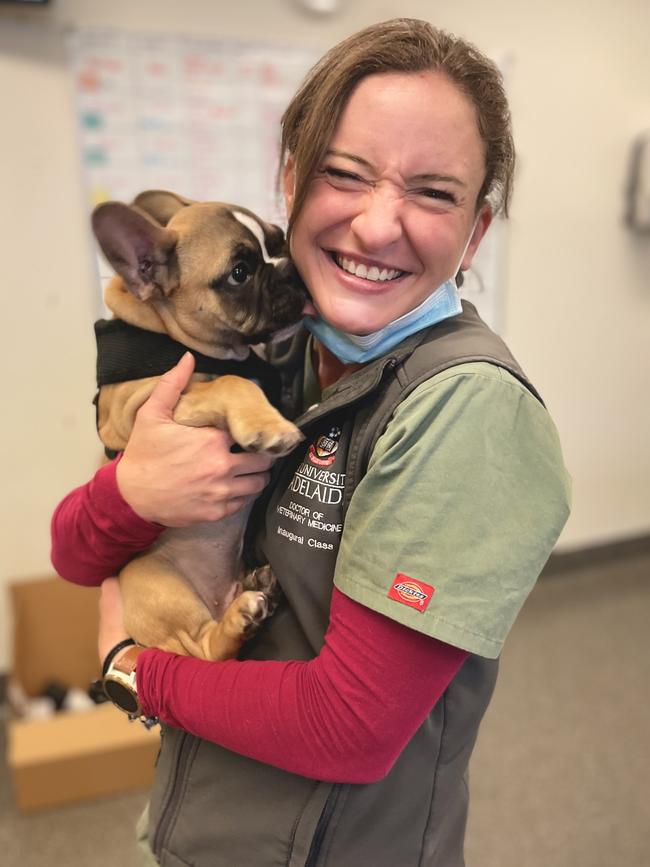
(213, 278)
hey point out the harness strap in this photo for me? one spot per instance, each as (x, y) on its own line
(125, 353)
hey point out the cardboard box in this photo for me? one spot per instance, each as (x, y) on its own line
(68, 757)
(79, 756)
(55, 633)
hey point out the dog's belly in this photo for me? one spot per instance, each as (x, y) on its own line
(207, 557)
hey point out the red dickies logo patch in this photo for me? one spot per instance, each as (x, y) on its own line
(408, 591)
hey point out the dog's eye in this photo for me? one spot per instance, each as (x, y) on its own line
(239, 274)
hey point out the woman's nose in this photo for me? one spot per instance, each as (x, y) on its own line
(378, 223)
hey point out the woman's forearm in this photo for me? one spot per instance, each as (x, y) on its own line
(95, 532)
(344, 716)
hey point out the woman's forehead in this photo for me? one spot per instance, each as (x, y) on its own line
(418, 123)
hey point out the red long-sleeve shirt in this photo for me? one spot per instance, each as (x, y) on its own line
(343, 716)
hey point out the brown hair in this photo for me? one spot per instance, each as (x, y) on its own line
(398, 45)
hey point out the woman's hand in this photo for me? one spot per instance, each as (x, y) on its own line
(177, 475)
(111, 624)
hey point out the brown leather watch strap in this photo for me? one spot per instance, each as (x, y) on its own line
(127, 661)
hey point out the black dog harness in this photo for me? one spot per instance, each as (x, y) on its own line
(125, 352)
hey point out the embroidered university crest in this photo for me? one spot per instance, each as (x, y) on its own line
(322, 451)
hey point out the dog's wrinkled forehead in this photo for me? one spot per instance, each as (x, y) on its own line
(254, 227)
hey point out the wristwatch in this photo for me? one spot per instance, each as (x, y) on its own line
(120, 682)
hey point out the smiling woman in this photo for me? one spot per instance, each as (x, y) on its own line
(407, 530)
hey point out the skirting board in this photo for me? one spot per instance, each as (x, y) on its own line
(596, 555)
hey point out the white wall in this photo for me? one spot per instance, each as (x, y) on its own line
(578, 284)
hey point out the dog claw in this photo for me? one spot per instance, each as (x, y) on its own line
(268, 442)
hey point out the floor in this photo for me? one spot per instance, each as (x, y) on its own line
(559, 777)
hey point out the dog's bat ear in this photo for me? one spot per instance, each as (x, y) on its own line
(140, 250)
(161, 205)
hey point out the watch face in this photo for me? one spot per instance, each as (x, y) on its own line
(120, 695)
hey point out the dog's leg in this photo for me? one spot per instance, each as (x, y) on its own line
(229, 403)
(161, 610)
(240, 621)
(239, 406)
(118, 404)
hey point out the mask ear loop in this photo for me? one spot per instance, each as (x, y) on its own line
(459, 277)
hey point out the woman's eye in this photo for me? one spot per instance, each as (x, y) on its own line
(239, 274)
(437, 196)
(343, 180)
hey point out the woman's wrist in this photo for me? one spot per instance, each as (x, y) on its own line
(115, 652)
(130, 493)
(108, 496)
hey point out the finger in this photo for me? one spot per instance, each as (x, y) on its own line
(222, 438)
(245, 464)
(169, 387)
(236, 505)
(249, 486)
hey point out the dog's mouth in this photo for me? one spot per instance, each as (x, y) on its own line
(271, 336)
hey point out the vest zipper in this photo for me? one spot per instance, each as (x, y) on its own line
(173, 797)
(323, 824)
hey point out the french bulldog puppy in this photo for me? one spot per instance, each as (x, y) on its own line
(214, 278)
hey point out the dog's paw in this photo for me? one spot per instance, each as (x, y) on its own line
(263, 580)
(275, 436)
(252, 609)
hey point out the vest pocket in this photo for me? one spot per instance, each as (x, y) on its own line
(323, 826)
(214, 808)
(182, 755)
(311, 824)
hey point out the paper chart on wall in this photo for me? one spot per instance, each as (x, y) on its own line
(201, 118)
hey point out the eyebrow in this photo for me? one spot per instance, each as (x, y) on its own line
(425, 176)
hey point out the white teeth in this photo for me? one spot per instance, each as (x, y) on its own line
(373, 273)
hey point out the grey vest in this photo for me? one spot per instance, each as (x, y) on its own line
(213, 808)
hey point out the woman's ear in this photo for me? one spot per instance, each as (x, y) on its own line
(289, 183)
(482, 225)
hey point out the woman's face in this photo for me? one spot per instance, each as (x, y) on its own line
(392, 206)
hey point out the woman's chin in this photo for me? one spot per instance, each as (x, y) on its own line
(353, 327)
(351, 321)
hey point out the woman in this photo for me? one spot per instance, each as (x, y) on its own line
(344, 736)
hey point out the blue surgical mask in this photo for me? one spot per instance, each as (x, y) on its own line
(443, 303)
(358, 348)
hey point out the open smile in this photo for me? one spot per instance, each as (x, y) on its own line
(375, 273)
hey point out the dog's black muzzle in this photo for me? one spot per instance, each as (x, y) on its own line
(281, 297)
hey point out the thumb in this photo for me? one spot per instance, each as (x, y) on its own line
(168, 390)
